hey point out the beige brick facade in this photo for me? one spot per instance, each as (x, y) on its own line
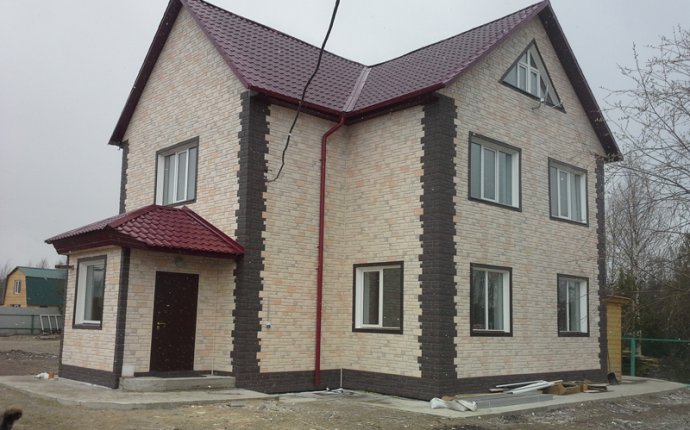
(214, 308)
(373, 209)
(372, 216)
(92, 348)
(534, 246)
(191, 92)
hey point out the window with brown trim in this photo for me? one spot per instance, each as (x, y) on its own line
(567, 192)
(176, 177)
(573, 296)
(378, 295)
(494, 172)
(528, 74)
(90, 292)
(490, 300)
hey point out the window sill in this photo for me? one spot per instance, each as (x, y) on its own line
(559, 108)
(570, 221)
(184, 202)
(496, 333)
(87, 326)
(572, 334)
(500, 205)
(377, 330)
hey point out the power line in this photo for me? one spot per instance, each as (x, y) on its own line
(304, 92)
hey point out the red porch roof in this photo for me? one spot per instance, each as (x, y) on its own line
(153, 227)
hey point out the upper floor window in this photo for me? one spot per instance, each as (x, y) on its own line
(17, 287)
(177, 173)
(572, 306)
(378, 297)
(494, 171)
(529, 74)
(568, 192)
(88, 309)
(490, 289)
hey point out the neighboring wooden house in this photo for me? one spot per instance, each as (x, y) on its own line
(34, 287)
(451, 238)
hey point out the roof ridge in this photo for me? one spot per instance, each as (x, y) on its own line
(128, 216)
(273, 30)
(544, 2)
(352, 99)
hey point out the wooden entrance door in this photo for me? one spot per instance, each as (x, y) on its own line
(174, 322)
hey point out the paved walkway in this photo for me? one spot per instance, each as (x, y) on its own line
(73, 393)
(631, 386)
(76, 393)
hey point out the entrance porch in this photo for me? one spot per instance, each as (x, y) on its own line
(149, 293)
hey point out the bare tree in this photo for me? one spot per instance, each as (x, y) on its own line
(653, 122)
(5, 270)
(638, 241)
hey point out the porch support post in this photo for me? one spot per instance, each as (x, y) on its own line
(121, 321)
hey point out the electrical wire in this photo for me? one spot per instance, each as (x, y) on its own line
(304, 92)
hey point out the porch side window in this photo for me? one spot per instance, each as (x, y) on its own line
(378, 297)
(88, 308)
(177, 173)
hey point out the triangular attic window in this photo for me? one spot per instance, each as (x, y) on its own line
(529, 74)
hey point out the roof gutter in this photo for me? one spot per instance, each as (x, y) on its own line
(319, 266)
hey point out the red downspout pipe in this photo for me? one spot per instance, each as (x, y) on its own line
(319, 267)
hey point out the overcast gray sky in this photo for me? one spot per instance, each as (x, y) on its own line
(67, 66)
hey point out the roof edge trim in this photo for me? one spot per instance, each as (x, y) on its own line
(490, 47)
(577, 80)
(159, 39)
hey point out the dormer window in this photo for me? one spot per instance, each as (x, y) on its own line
(528, 74)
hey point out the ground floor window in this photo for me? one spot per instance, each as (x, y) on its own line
(378, 297)
(490, 309)
(88, 308)
(572, 306)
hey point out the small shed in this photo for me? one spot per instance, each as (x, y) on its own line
(614, 312)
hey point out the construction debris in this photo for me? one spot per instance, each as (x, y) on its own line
(564, 388)
(455, 404)
(535, 385)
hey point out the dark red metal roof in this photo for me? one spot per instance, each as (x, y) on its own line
(278, 65)
(152, 227)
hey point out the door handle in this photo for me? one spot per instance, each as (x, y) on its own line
(159, 325)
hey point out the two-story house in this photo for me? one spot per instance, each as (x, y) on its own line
(437, 226)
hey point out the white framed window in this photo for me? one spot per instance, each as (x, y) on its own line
(378, 297)
(88, 308)
(494, 171)
(177, 173)
(490, 289)
(568, 192)
(17, 286)
(572, 306)
(529, 74)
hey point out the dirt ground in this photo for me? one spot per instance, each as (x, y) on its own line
(28, 355)
(657, 411)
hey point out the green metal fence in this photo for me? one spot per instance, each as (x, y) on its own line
(671, 357)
